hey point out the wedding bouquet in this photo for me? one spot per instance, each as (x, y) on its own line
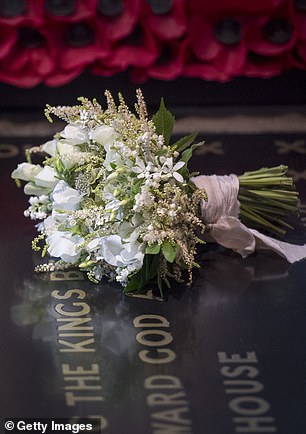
(114, 197)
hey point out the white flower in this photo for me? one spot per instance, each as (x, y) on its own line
(75, 135)
(171, 171)
(144, 171)
(104, 135)
(70, 155)
(26, 171)
(65, 197)
(32, 189)
(115, 252)
(64, 245)
(46, 178)
(112, 156)
(50, 147)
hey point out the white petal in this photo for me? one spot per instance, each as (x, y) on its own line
(65, 246)
(178, 177)
(32, 189)
(46, 177)
(178, 165)
(50, 147)
(65, 197)
(26, 171)
(104, 135)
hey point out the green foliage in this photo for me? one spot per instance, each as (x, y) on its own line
(154, 249)
(164, 122)
(184, 142)
(169, 250)
(186, 156)
(148, 272)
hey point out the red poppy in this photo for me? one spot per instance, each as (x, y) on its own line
(233, 7)
(169, 25)
(8, 37)
(168, 66)
(60, 77)
(79, 44)
(139, 49)
(31, 59)
(122, 24)
(74, 11)
(218, 43)
(273, 34)
(298, 54)
(22, 13)
(265, 66)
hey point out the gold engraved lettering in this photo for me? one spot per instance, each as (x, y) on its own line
(163, 382)
(80, 370)
(74, 324)
(236, 358)
(254, 424)
(81, 383)
(164, 399)
(76, 347)
(173, 416)
(158, 321)
(166, 338)
(72, 399)
(246, 386)
(164, 428)
(235, 371)
(242, 405)
(169, 356)
(85, 309)
(68, 294)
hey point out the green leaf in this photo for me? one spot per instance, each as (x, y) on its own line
(139, 280)
(164, 122)
(186, 155)
(184, 142)
(133, 282)
(154, 249)
(169, 250)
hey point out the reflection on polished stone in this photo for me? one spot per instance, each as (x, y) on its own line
(81, 330)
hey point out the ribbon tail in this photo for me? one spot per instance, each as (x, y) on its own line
(229, 232)
(292, 252)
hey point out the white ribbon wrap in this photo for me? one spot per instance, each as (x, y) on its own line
(220, 213)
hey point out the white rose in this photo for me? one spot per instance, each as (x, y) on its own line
(75, 135)
(65, 246)
(104, 135)
(46, 178)
(67, 153)
(50, 147)
(33, 190)
(65, 197)
(26, 171)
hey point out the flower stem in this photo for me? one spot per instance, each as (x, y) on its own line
(267, 199)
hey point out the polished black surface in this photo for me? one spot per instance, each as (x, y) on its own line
(235, 306)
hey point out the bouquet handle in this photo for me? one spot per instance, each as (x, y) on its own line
(221, 215)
